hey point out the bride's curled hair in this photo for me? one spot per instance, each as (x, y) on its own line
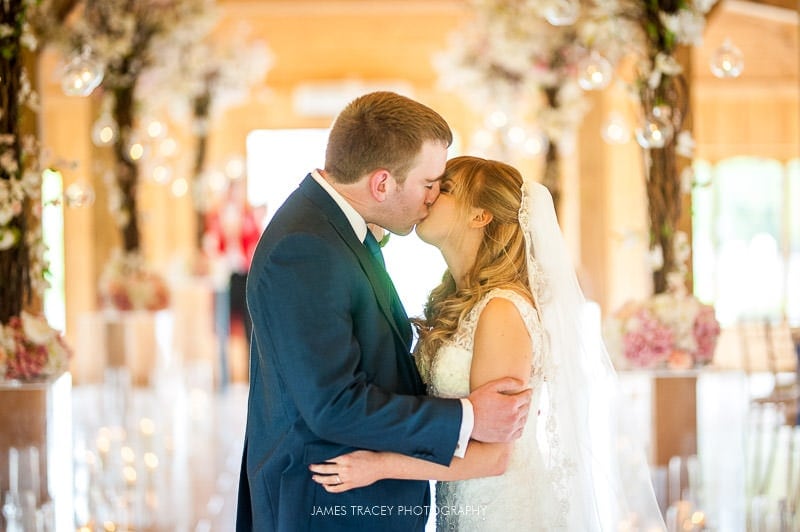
(501, 259)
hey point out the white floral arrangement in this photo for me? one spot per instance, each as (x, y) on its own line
(511, 49)
(31, 349)
(507, 55)
(127, 283)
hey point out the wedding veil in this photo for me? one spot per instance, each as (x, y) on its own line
(598, 471)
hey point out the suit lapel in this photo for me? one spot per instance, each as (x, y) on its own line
(382, 285)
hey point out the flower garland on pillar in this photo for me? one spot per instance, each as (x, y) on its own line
(518, 61)
(29, 347)
(124, 39)
(654, 32)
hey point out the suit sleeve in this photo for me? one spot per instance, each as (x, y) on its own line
(302, 297)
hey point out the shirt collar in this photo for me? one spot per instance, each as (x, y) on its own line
(355, 219)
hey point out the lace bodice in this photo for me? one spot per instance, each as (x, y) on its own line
(521, 499)
(450, 367)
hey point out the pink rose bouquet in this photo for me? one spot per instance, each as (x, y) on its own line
(31, 349)
(670, 330)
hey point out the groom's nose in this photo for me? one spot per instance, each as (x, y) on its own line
(433, 193)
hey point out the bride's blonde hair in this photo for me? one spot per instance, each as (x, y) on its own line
(501, 260)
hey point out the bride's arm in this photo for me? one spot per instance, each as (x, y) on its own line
(502, 347)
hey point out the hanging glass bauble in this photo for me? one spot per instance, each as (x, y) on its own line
(727, 61)
(81, 75)
(616, 129)
(656, 130)
(79, 195)
(104, 131)
(594, 72)
(561, 12)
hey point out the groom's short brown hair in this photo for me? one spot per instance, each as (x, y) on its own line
(381, 130)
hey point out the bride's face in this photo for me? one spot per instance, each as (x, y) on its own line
(446, 220)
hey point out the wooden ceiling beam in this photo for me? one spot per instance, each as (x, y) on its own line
(792, 5)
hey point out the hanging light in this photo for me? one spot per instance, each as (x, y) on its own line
(104, 131)
(82, 74)
(161, 174)
(594, 72)
(561, 12)
(167, 147)
(135, 149)
(497, 119)
(156, 129)
(179, 187)
(656, 129)
(235, 167)
(516, 135)
(616, 129)
(727, 61)
(536, 144)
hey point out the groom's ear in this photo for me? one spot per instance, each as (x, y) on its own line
(480, 218)
(378, 183)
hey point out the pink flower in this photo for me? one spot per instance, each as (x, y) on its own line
(649, 342)
(27, 357)
(706, 331)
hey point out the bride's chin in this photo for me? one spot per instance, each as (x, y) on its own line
(420, 233)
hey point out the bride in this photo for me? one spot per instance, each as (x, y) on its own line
(510, 305)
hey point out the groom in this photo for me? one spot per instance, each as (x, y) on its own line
(330, 369)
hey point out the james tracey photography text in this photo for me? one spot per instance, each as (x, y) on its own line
(383, 510)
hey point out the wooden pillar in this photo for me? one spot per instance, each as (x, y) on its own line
(674, 414)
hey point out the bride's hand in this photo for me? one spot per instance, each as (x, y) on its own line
(348, 471)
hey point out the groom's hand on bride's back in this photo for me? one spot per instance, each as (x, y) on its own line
(501, 409)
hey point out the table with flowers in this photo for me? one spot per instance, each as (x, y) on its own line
(671, 337)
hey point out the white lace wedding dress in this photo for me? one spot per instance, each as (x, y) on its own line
(527, 497)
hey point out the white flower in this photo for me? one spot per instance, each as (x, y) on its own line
(668, 64)
(8, 238)
(685, 144)
(6, 340)
(6, 212)
(656, 258)
(36, 329)
(682, 247)
(690, 27)
(704, 6)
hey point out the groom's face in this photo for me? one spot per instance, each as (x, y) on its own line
(410, 201)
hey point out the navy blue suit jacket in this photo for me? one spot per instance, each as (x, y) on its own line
(330, 372)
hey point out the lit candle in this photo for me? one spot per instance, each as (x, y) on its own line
(147, 429)
(103, 443)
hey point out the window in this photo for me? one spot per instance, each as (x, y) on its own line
(53, 236)
(747, 239)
